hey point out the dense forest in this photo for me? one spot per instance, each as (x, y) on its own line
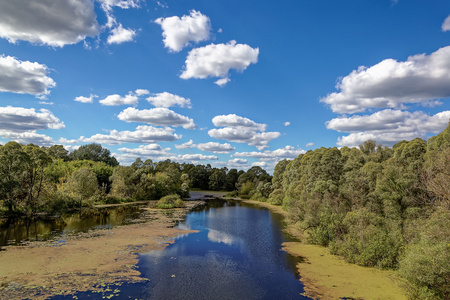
(373, 205)
(51, 180)
(376, 206)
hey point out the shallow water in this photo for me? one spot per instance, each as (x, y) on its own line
(235, 255)
(16, 231)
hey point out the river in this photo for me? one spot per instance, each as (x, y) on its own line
(236, 254)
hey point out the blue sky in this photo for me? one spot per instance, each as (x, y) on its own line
(230, 83)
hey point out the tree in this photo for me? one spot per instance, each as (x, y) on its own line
(12, 167)
(35, 164)
(94, 152)
(83, 184)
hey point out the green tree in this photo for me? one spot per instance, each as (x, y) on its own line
(94, 152)
(83, 184)
(13, 163)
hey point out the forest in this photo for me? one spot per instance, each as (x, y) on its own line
(375, 206)
(41, 180)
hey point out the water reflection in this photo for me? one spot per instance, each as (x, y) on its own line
(15, 231)
(235, 255)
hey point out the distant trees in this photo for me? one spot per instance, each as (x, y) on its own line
(94, 152)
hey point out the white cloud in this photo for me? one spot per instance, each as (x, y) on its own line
(237, 163)
(29, 137)
(55, 23)
(141, 92)
(121, 35)
(66, 141)
(113, 100)
(159, 116)
(150, 150)
(179, 32)
(222, 81)
(242, 130)
(287, 123)
(309, 145)
(446, 24)
(286, 152)
(187, 145)
(83, 99)
(217, 60)
(24, 77)
(167, 100)
(20, 124)
(124, 4)
(261, 164)
(196, 157)
(238, 135)
(236, 121)
(143, 134)
(215, 147)
(19, 119)
(390, 83)
(388, 126)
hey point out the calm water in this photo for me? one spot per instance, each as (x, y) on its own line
(235, 255)
(15, 231)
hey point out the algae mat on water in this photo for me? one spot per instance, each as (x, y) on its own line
(327, 276)
(84, 262)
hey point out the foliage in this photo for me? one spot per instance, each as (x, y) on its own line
(170, 201)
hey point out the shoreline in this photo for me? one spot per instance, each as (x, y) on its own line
(326, 276)
(86, 261)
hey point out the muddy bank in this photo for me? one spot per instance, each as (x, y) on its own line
(87, 261)
(327, 276)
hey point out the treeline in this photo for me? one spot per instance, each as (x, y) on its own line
(377, 206)
(50, 180)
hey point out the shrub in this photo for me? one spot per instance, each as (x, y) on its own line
(170, 201)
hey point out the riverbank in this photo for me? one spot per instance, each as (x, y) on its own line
(91, 261)
(326, 276)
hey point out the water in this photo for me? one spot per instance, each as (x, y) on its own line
(16, 231)
(235, 255)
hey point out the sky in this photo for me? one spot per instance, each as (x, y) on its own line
(229, 83)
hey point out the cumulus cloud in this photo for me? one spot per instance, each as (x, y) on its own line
(236, 121)
(124, 4)
(179, 32)
(121, 35)
(286, 152)
(20, 124)
(159, 116)
(83, 99)
(141, 92)
(388, 126)
(114, 100)
(287, 123)
(167, 100)
(237, 163)
(196, 157)
(19, 119)
(309, 145)
(24, 77)
(446, 24)
(150, 150)
(215, 147)
(217, 61)
(187, 145)
(242, 130)
(54, 23)
(143, 134)
(390, 83)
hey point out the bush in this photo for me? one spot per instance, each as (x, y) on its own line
(276, 197)
(170, 201)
